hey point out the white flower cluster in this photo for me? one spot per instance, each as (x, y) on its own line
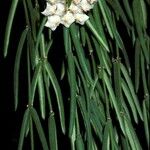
(58, 13)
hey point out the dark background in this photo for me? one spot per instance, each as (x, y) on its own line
(8, 117)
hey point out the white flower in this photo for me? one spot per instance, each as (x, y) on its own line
(74, 9)
(57, 12)
(85, 5)
(67, 19)
(50, 9)
(53, 22)
(60, 9)
(81, 18)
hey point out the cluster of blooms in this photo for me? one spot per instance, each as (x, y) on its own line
(58, 13)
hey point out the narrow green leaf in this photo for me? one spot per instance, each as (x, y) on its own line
(132, 137)
(79, 143)
(85, 116)
(31, 133)
(120, 44)
(146, 124)
(117, 109)
(129, 99)
(39, 128)
(38, 38)
(97, 20)
(124, 143)
(113, 137)
(83, 35)
(137, 64)
(139, 25)
(52, 132)
(63, 71)
(17, 66)
(130, 85)
(23, 129)
(41, 95)
(9, 25)
(127, 7)
(57, 90)
(48, 47)
(144, 78)
(117, 80)
(80, 52)
(107, 16)
(98, 37)
(72, 80)
(72, 91)
(102, 56)
(43, 47)
(47, 85)
(119, 11)
(34, 82)
(96, 125)
(95, 110)
(106, 138)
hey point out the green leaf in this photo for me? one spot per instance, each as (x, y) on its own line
(17, 66)
(98, 37)
(41, 95)
(80, 52)
(81, 103)
(137, 64)
(139, 25)
(146, 123)
(72, 84)
(9, 25)
(114, 101)
(39, 128)
(106, 137)
(38, 38)
(107, 16)
(130, 85)
(57, 90)
(79, 143)
(34, 82)
(52, 132)
(31, 133)
(127, 7)
(132, 137)
(129, 99)
(83, 35)
(119, 11)
(23, 129)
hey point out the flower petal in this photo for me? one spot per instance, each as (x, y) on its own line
(81, 18)
(53, 22)
(85, 5)
(50, 10)
(67, 19)
(74, 9)
(60, 9)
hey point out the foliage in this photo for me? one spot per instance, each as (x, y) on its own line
(108, 76)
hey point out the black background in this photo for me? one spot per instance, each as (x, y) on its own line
(8, 117)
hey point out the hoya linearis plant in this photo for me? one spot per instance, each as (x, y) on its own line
(105, 69)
